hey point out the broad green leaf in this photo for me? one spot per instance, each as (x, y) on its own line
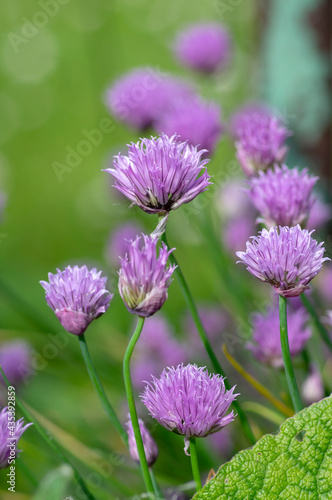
(54, 485)
(281, 466)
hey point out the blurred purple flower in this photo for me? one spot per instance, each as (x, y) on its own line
(10, 433)
(189, 401)
(222, 443)
(204, 47)
(194, 121)
(320, 214)
(214, 320)
(232, 200)
(139, 98)
(15, 360)
(117, 245)
(160, 174)
(150, 446)
(260, 140)
(287, 258)
(252, 111)
(237, 231)
(77, 296)
(213, 317)
(282, 196)
(156, 348)
(237, 213)
(313, 387)
(266, 335)
(143, 276)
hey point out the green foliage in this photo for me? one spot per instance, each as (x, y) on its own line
(282, 466)
(52, 90)
(54, 484)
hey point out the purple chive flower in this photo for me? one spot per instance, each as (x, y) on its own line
(150, 446)
(77, 295)
(160, 174)
(204, 47)
(313, 387)
(117, 245)
(252, 111)
(194, 121)
(15, 360)
(10, 433)
(282, 196)
(286, 257)
(143, 276)
(141, 96)
(189, 401)
(266, 346)
(156, 348)
(260, 141)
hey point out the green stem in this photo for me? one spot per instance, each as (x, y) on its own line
(50, 441)
(194, 463)
(132, 407)
(306, 359)
(221, 260)
(193, 311)
(290, 375)
(319, 325)
(100, 390)
(159, 495)
(204, 338)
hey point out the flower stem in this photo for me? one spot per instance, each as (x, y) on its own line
(319, 325)
(290, 375)
(132, 407)
(159, 495)
(193, 311)
(237, 304)
(194, 463)
(50, 441)
(100, 390)
(204, 338)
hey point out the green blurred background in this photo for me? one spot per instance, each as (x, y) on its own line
(52, 87)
